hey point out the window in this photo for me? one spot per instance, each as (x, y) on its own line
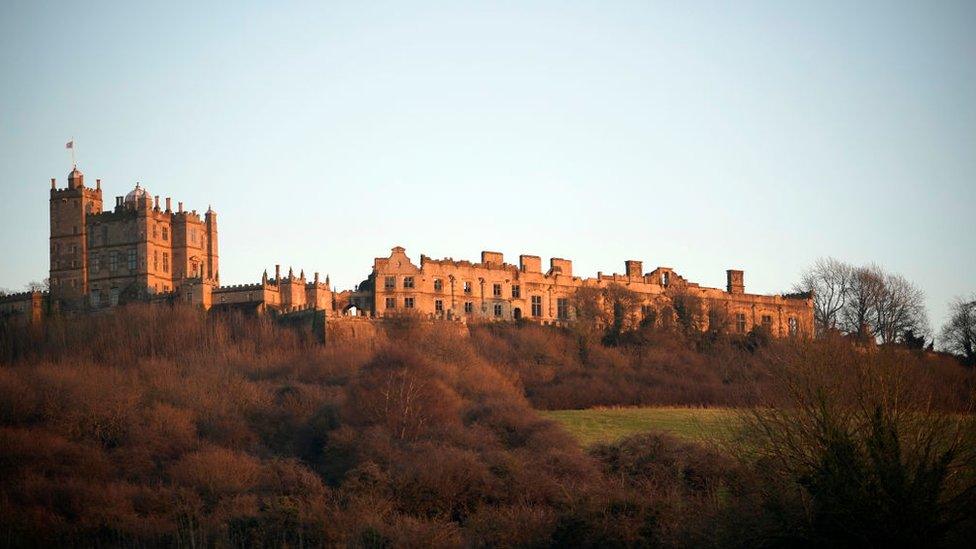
(165, 262)
(516, 291)
(498, 309)
(93, 298)
(740, 323)
(438, 284)
(113, 297)
(408, 282)
(468, 307)
(113, 261)
(665, 278)
(391, 303)
(496, 290)
(467, 287)
(165, 233)
(74, 248)
(132, 260)
(154, 230)
(439, 306)
(408, 303)
(562, 308)
(389, 282)
(155, 260)
(537, 305)
(793, 326)
(767, 322)
(193, 236)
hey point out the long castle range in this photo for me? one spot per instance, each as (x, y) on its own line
(142, 250)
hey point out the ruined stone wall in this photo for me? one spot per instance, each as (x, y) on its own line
(492, 290)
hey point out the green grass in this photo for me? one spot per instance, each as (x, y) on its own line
(611, 424)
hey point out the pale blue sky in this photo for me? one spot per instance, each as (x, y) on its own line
(701, 136)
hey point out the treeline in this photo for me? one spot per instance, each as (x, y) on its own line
(160, 427)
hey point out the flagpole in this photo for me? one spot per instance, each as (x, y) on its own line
(74, 165)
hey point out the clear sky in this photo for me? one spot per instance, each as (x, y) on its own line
(700, 136)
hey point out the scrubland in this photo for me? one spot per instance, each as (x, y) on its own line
(163, 427)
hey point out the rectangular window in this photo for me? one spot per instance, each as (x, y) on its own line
(468, 307)
(438, 284)
(94, 263)
(408, 282)
(389, 283)
(391, 303)
(537, 305)
(767, 322)
(498, 309)
(439, 306)
(165, 262)
(516, 291)
(93, 298)
(113, 261)
(562, 308)
(155, 260)
(467, 287)
(155, 231)
(132, 260)
(165, 233)
(193, 236)
(496, 290)
(113, 297)
(740, 323)
(794, 326)
(408, 303)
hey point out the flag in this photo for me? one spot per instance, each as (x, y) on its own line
(69, 145)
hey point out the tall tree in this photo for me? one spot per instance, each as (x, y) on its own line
(959, 334)
(899, 308)
(864, 292)
(829, 279)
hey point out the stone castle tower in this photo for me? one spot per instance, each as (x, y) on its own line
(70, 208)
(138, 249)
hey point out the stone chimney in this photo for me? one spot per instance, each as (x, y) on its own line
(735, 281)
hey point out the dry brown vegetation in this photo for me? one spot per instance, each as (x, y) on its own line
(152, 426)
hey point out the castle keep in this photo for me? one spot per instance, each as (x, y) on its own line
(144, 251)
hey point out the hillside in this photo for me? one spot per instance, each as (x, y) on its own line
(152, 426)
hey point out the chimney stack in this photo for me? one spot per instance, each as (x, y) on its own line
(98, 184)
(54, 183)
(277, 273)
(168, 203)
(180, 206)
(157, 203)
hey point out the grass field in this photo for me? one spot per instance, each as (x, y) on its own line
(610, 424)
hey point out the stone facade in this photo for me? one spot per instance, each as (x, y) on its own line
(142, 251)
(492, 290)
(132, 252)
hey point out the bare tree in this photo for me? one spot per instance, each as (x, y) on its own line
(959, 334)
(829, 279)
(35, 286)
(860, 306)
(899, 308)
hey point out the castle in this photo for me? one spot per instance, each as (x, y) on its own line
(143, 251)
